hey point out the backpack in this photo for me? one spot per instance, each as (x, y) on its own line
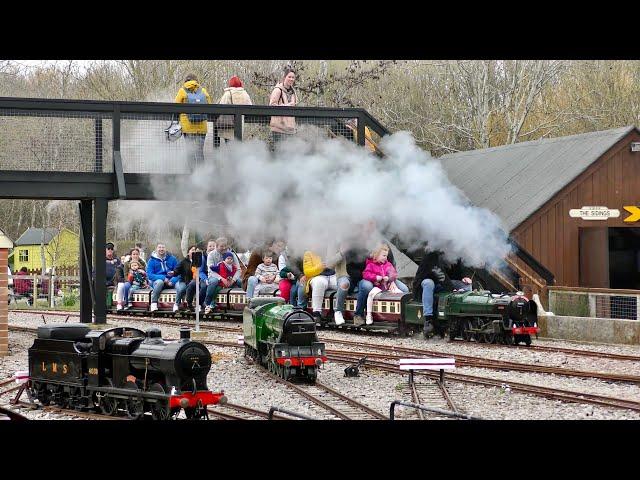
(312, 265)
(196, 97)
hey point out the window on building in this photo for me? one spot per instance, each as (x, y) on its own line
(23, 255)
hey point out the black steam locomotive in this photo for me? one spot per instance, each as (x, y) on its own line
(121, 371)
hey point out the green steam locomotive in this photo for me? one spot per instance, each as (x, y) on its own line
(480, 315)
(282, 338)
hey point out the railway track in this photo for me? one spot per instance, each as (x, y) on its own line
(568, 351)
(478, 362)
(395, 352)
(240, 412)
(351, 357)
(61, 411)
(161, 319)
(334, 403)
(430, 394)
(8, 386)
(546, 392)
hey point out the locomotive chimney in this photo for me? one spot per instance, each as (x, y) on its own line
(185, 333)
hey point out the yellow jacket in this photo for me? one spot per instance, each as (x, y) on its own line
(181, 97)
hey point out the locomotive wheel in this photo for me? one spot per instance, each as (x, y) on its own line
(508, 339)
(489, 337)
(191, 413)
(312, 374)
(527, 340)
(135, 406)
(476, 324)
(466, 334)
(108, 405)
(159, 410)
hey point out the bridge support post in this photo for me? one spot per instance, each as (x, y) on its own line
(100, 228)
(86, 260)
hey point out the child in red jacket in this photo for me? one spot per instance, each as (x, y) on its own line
(382, 274)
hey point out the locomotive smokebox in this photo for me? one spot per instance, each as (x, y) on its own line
(185, 333)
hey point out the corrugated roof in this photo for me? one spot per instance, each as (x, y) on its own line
(33, 236)
(514, 181)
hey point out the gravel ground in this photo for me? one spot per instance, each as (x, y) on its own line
(247, 384)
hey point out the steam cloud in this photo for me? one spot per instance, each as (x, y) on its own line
(314, 191)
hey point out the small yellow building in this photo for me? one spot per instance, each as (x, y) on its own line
(61, 249)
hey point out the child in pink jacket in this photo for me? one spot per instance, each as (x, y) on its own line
(381, 273)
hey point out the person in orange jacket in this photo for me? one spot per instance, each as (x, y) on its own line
(194, 125)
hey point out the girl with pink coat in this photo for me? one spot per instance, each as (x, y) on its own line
(382, 274)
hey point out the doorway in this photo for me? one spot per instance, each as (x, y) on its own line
(624, 258)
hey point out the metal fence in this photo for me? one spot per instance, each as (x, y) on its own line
(82, 136)
(595, 302)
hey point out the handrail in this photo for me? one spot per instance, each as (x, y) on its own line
(524, 273)
(527, 258)
(102, 106)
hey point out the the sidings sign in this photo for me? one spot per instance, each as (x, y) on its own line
(594, 213)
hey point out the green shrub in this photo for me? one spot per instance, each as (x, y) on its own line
(70, 298)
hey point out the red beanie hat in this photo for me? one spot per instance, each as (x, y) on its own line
(235, 82)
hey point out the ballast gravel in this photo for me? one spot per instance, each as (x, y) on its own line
(249, 385)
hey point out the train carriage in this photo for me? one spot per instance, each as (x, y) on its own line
(475, 315)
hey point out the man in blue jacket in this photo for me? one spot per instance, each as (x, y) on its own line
(160, 270)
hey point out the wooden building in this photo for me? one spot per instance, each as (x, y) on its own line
(60, 249)
(540, 190)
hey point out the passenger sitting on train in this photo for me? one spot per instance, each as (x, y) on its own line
(112, 265)
(266, 273)
(430, 278)
(122, 294)
(382, 274)
(160, 270)
(185, 275)
(137, 279)
(290, 271)
(327, 278)
(203, 273)
(213, 259)
(229, 275)
(249, 279)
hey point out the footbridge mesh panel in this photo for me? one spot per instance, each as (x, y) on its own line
(55, 141)
(147, 148)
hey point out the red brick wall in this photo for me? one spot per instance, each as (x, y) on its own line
(4, 295)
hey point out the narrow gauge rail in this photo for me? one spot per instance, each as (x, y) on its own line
(462, 360)
(570, 351)
(432, 394)
(8, 386)
(7, 411)
(547, 392)
(207, 326)
(246, 413)
(64, 411)
(478, 362)
(338, 405)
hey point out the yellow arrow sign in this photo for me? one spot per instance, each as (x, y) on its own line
(635, 214)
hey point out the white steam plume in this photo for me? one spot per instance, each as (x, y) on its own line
(314, 191)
